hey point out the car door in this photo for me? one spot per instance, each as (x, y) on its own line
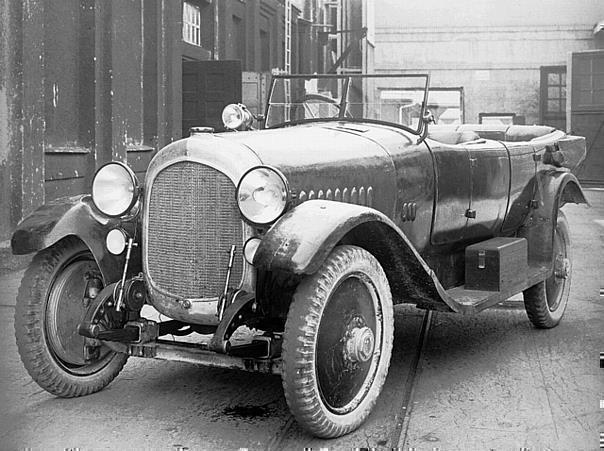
(523, 168)
(489, 188)
(453, 178)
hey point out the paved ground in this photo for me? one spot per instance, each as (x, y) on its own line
(493, 381)
(488, 382)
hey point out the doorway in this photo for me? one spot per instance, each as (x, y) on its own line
(207, 87)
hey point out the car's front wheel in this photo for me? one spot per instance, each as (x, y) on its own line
(545, 302)
(54, 295)
(337, 343)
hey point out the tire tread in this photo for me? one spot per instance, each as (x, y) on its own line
(30, 339)
(535, 297)
(298, 382)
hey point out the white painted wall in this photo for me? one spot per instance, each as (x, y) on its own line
(492, 48)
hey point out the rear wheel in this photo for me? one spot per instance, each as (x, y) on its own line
(337, 343)
(546, 301)
(52, 300)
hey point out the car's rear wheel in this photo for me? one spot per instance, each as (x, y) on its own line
(52, 300)
(546, 301)
(337, 343)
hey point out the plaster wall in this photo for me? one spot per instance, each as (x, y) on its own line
(493, 49)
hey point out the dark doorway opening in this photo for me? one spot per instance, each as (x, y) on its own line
(207, 87)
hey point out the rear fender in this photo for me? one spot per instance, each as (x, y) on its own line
(554, 190)
(302, 239)
(76, 216)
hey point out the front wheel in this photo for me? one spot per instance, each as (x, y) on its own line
(337, 343)
(53, 297)
(545, 302)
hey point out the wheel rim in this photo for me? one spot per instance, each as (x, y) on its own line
(65, 308)
(554, 285)
(348, 344)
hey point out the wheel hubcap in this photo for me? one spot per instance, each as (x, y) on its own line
(348, 344)
(75, 285)
(65, 309)
(554, 285)
(359, 347)
(561, 267)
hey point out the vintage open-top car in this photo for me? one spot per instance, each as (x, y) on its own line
(306, 232)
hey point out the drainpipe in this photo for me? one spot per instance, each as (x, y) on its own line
(216, 48)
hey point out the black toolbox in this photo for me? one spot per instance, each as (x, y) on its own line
(496, 264)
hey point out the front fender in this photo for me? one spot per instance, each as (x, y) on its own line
(76, 216)
(302, 239)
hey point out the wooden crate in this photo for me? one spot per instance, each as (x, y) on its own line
(496, 264)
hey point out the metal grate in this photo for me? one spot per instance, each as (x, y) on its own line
(193, 221)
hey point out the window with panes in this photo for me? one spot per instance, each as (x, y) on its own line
(553, 96)
(191, 23)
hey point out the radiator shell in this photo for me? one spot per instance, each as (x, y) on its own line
(192, 222)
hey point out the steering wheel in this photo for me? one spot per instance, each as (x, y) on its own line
(313, 106)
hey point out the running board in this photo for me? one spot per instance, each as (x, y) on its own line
(201, 355)
(474, 301)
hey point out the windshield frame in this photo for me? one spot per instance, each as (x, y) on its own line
(343, 100)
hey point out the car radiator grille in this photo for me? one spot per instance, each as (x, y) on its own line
(192, 222)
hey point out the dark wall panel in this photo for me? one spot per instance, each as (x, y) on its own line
(587, 111)
(66, 173)
(139, 161)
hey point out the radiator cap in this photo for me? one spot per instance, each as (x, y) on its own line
(200, 130)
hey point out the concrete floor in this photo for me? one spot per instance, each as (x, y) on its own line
(489, 381)
(494, 382)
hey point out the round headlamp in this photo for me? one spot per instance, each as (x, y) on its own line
(262, 195)
(249, 249)
(236, 116)
(114, 189)
(115, 241)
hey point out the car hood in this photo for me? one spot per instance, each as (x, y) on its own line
(319, 160)
(322, 158)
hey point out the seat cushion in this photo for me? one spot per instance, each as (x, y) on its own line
(486, 131)
(517, 133)
(457, 134)
(452, 137)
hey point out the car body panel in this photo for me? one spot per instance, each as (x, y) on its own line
(522, 184)
(302, 239)
(76, 216)
(453, 178)
(489, 188)
(232, 159)
(553, 190)
(414, 185)
(326, 158)
(429, 194)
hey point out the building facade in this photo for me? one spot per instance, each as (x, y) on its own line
(84, 82)
(504, 62)
(506, 57)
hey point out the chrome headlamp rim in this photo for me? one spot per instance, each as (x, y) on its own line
(136, 189)
(109, 242)
(285, 187)
(245, 117)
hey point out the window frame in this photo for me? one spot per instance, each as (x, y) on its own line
(545, 114)
(511, 116)
(191, 29)
(432, 101)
